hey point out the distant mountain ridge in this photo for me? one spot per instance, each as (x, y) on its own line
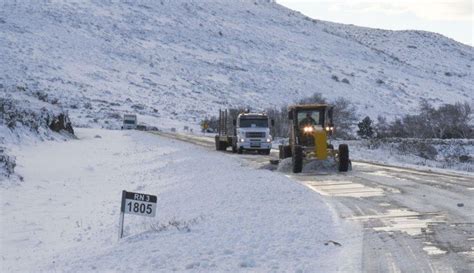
(178, 61)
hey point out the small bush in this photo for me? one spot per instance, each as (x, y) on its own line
(184, 225)
(373, 144)
(365, 128)
(421, 149)
(7, 164)
(447, 121)
(465, 159)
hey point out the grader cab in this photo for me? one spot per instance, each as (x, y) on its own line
(310, 131)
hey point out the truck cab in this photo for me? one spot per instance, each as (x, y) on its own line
(252, 131)
(129, 122)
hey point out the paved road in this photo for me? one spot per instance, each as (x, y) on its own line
(412, 221)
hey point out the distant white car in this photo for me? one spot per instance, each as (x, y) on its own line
(129, 122)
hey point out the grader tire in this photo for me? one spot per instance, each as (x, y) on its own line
(297, 159)
(343, 158)
(284, 151)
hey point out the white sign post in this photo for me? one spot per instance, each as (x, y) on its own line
(138, 204)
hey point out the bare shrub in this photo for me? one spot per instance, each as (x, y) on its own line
(447, 121)
(421, 149)
(344, 118)
(181, 225)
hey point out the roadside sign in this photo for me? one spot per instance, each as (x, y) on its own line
(138, 204)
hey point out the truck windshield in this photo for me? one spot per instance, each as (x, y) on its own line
(129, 121)
(254, 123)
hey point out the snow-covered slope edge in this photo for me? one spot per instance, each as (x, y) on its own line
(216, 216)
(180, 60)
(27, 117)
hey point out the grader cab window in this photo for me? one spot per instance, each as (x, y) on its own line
(308, 118)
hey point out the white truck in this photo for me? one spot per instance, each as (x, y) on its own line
(251, 132)
(129, 122)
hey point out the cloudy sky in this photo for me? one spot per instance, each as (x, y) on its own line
(452, 18)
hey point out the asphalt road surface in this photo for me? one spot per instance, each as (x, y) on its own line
(412, 221)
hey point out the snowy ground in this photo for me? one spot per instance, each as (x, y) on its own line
(227, 216)
(413, 220)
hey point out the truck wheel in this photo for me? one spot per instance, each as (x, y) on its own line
(287, 151)
(240, 151)
(218, 143)
(297, 159)
(223, 145)
(343, 158)
(234, 149)
(267, 152)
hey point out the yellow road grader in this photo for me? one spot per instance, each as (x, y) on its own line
(310, 130)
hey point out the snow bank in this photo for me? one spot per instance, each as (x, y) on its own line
(28, 116)
(452, 154)
(214, 214)
(309, 166)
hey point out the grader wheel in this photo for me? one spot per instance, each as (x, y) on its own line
(297, 159)
(343, 158)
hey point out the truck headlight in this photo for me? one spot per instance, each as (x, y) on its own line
(269, 140)
(242, 139)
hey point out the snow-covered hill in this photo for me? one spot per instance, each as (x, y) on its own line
(178, 61)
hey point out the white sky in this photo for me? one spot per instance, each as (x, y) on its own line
(452, 18)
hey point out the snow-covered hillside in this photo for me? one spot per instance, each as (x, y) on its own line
(177, 61)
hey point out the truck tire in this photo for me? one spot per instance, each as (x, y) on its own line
(267, 152)
(223, 145)
(297, 159)
(218, 143)
(343, 158)
(287, 151)
(234, 149)
(240, 151)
